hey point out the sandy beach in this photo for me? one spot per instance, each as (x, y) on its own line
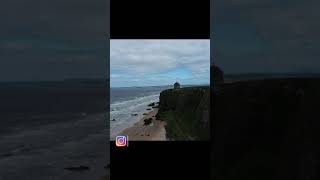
(152, 132)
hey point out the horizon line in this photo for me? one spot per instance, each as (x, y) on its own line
(157, 85)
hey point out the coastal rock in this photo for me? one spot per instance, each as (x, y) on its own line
(152, 104)
(147, 121)
(78, 168)
(157, 117)
(134, 114)
(145, 114)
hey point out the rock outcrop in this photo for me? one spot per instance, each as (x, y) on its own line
(147, 121)
(152, 104)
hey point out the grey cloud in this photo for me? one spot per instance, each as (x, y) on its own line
(53, 40)
(60, 19)
(140, 56)
(286, 33)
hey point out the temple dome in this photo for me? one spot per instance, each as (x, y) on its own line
(217, 75)
(176, 85)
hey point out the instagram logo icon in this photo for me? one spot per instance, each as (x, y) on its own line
(121, 141)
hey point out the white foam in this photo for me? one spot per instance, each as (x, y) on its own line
(122, 112)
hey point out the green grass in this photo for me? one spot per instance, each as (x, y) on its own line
(183, 126)
(176, 131)
(183, 110)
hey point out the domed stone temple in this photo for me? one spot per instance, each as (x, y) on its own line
(217, 75)
(176, 85)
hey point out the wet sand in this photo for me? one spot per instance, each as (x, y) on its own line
(152, 132)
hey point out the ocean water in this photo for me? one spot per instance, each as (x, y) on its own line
(130, 100)
(48, 126)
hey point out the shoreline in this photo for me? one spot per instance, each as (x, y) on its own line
(155, 131)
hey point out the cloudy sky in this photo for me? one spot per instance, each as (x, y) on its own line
(53, 39)
(159, 62)
(266, 36)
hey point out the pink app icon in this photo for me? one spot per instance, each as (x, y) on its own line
(121, 141)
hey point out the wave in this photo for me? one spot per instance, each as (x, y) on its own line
(121, 112)
(120, 103)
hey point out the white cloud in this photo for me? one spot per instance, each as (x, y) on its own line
(157, 56)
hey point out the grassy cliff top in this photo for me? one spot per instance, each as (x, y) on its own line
(186, 111)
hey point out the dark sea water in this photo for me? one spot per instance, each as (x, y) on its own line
(47, 126)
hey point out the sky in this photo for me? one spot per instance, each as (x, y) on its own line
(266, 36)
(64, 39)
(53, 39)
(159, 62)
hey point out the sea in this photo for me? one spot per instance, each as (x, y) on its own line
(127, 105)
(46, 127)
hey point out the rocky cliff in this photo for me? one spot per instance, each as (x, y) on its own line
(267, 129)
(186, 112)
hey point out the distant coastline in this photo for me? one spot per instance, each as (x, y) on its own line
(229, 78)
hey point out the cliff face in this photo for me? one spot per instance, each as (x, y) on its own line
(267, 129)
(186, 112)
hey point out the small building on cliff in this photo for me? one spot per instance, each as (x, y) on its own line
(217, 76)
(176, 85)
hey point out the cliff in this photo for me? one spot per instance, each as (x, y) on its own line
(186, 112)
(267, 129)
